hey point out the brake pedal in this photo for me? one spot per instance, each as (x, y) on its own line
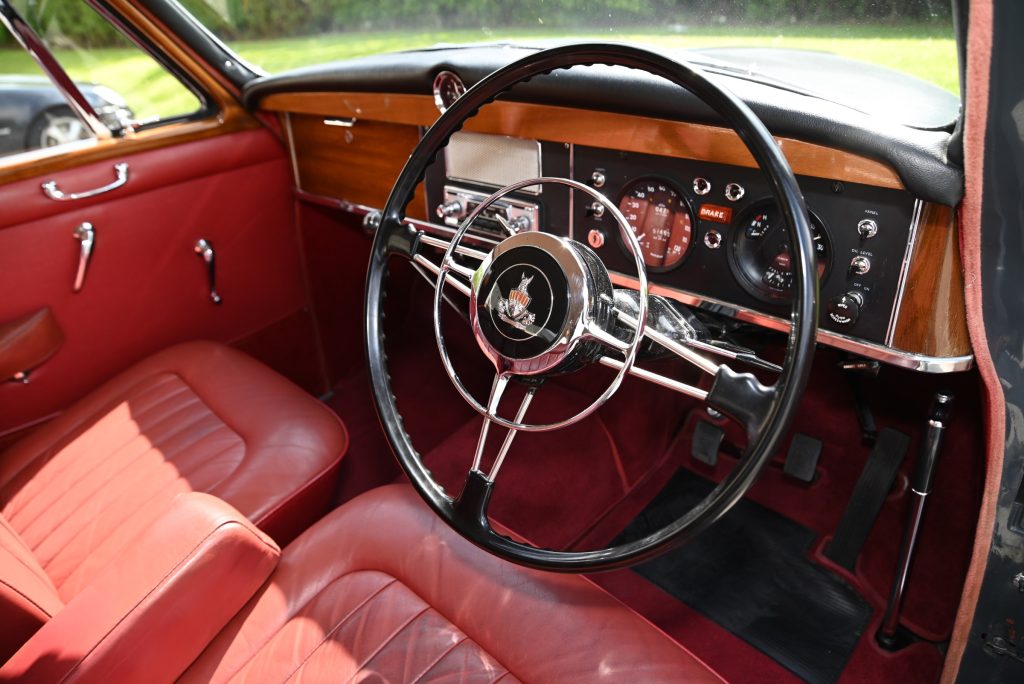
(802, 457)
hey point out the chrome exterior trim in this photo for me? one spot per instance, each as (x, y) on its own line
(33, 44)
(915, 220)
(895, 357)
(51, 190)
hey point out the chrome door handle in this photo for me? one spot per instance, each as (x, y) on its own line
(86, 236)
(121, 177)
(205, 250)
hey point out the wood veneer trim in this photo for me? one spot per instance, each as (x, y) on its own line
(599, 129)
(933, 317)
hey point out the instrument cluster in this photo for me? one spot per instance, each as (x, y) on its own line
(712, 233)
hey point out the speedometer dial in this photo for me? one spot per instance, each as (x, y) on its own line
(661, 220)
(761, 257)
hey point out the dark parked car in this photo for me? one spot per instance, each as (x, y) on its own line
(34, 114)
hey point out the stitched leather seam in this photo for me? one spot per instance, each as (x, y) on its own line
(449, 620)
(256, 651)
(412, 618)
(444, 654)
(27, 598)
(77, 429)
(144, 474)
(376, 651)
(129, 463)
(70, 463)
(159, 585)
(34, 570)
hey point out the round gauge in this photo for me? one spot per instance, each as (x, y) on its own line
(760, 254)
(448, 88)
(661, 220)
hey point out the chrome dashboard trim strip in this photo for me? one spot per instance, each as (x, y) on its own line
(903, 359)
(895, 357)
(894, 318)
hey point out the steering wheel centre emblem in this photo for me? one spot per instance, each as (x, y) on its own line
(513, 310)
(520, 302)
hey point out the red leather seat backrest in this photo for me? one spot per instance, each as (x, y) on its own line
(28, 598)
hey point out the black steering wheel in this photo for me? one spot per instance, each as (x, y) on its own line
(543, 304)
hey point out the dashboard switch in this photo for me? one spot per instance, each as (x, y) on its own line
(859, 265)
(867, 229)
(734, 192)
(596, 210)
(595, 238)
(845, 309)
(701, 186)
(713, 239)
(597, 179)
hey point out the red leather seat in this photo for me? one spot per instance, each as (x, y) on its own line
(196, 417)
(382, 590)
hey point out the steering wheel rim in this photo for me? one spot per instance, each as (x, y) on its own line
(765, 412)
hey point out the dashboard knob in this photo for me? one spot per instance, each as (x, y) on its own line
(734, 192)
(519, 224)
(597, 179)
(596, 210)
(867, 229)
(845, 309)
(449, 209)
(701, 186)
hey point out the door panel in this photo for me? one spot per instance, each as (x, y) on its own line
(146, 288)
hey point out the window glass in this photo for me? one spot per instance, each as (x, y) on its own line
(911, 36)
(123, 83)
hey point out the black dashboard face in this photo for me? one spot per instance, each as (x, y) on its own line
(712, 233)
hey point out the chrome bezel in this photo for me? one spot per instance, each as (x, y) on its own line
(438, 85)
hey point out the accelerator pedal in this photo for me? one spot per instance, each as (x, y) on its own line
(868, 496)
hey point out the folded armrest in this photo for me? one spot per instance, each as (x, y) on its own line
(153, 610)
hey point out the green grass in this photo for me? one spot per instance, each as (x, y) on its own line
(923, 51)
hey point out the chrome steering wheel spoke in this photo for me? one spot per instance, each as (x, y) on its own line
(498, 387)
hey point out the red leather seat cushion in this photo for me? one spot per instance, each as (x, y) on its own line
(196, 417)
(382, 590)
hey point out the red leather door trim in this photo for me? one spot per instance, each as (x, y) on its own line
(28, 341)
(146, 288)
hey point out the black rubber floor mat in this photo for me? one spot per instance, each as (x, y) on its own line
(750, 573)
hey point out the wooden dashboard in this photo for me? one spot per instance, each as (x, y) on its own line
(351, 146)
